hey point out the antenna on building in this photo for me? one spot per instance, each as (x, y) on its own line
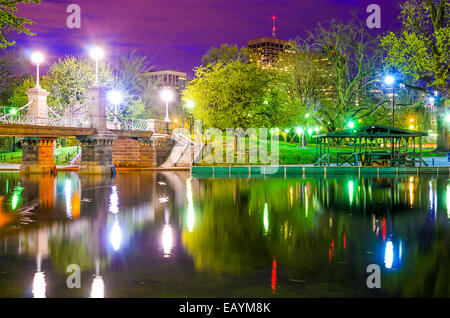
(274, 28)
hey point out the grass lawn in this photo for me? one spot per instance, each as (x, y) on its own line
(59, 155)
(293, 153)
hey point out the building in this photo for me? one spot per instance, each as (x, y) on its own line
(167, 79)
(268, 50)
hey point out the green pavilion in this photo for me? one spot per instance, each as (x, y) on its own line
(372, 145)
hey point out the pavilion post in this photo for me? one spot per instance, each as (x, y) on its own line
(329, 156)
(420, 145)
(337, 153)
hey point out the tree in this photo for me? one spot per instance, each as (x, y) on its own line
(11, 74)
(422, 50)
(131, 81)
(70, 78)
(11, 22)
(19, 97)
(237, 94)
(226, 53)
(333, 75)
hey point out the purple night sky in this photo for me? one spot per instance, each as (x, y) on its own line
(176, 33)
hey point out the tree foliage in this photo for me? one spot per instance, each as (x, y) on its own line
(70, 78)
(139, 92)
(237, 94)
(422, 49)
(226, 53)
(333, 75)
(11, 74)
(9, 21)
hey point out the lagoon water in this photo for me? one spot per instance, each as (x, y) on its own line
(154, 234)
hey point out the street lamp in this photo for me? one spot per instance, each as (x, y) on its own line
(115, 97)
(190, 104)
(351, 124)
(37, 58)
(167, 96)
(389, 80)
(300, 133)
(96, 54)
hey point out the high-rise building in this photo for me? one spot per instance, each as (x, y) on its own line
(167, 79)
(268, 50)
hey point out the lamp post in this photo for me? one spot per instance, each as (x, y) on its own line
(301, 135)
(190, 105)
(167, 96)
(390, 80)
(37, 58)
(96, 54)
(115, 97)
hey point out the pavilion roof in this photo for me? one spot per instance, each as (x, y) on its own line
(373, 131)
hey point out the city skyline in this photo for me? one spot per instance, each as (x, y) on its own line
(159, 31)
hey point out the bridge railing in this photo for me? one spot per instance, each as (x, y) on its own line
(120, 123)
(12, 115)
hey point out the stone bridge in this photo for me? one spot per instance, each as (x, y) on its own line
(103, 144)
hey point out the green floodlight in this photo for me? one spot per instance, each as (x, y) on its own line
(310, 131)
(13, 111)
(190, 104)
(307, 115)
(351, 124)
(286, 131)
(299, 130)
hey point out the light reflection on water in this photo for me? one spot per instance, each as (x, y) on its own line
(165, 234)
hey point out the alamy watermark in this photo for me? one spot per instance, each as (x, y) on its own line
(374, 279)
(74, 279)
(374, 19)
(73, 21)
(250, 146)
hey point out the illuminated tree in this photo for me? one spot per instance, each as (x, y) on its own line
(422, 50)
(9, 21)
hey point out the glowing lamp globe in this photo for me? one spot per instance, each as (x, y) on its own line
(389, 80)
(190, 104)
(96, 53)
(115, 97)
(167, 95)
(37, 58)
(351, 125)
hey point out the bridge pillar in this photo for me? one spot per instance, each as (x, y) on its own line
(37, 155)
(97, 108)
(38, 110)
(96, 150)
(96, 154)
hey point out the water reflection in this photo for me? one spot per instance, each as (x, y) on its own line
(283, 237)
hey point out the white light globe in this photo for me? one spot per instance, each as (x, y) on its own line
(167, 95)
(37, 58)
(190, 104)
(115, 97)
(389, 80)
(96, 53)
